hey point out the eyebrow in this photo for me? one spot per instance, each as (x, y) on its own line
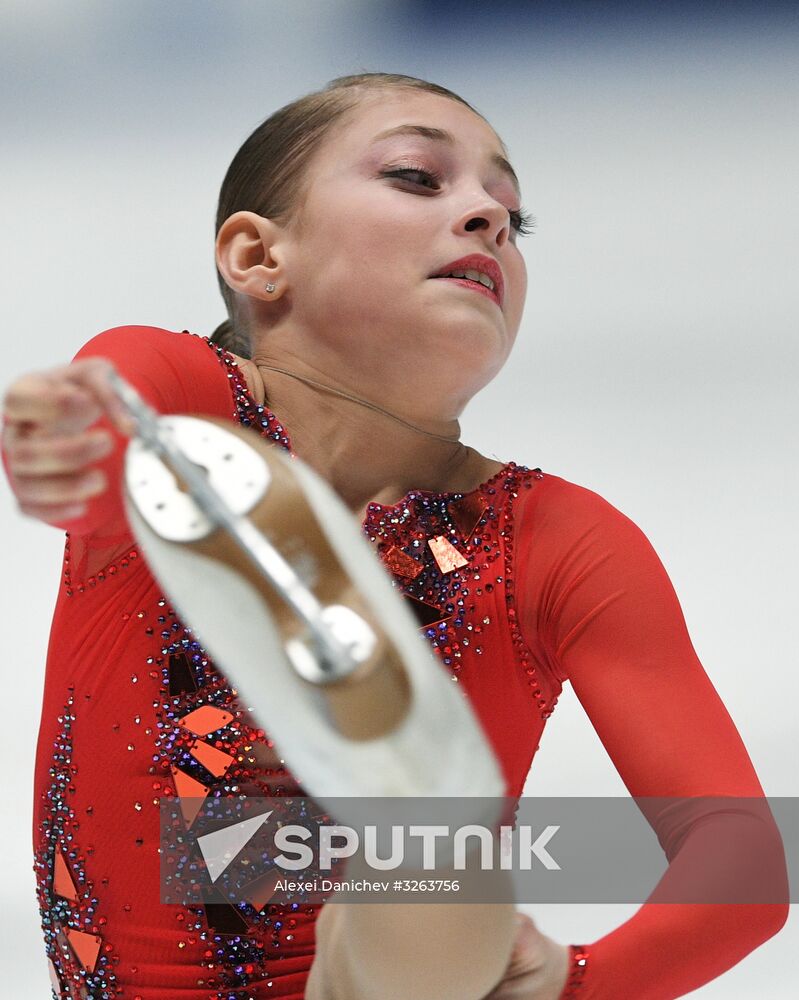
(440, 135)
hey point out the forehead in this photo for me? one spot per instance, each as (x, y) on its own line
(384, 109)
(391, 117)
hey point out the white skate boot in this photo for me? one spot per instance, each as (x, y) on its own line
(322, 649)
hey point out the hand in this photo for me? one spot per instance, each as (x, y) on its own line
(538, 967)
(48, 447)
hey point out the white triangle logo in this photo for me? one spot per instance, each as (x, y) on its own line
(221, 847)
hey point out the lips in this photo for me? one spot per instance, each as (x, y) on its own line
(478, 262)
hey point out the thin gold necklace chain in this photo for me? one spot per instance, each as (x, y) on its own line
(363, 402)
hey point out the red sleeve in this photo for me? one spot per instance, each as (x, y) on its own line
(175, 373)
(596, 599)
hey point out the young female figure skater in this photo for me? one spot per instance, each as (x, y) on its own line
(367, 251)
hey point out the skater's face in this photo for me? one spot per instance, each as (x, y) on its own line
(388, 206)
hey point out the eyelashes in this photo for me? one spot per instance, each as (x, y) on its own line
(521, 221)
(401, 171)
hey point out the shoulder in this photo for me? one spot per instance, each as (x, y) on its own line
(138, 340)
(556, 512)
(177, 371)
(551, 497)
(582, 562)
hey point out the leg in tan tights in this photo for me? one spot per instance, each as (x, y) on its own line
(427, 951)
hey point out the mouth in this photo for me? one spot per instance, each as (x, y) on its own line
(475, 286)
(476, 272)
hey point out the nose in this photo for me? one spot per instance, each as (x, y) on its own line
(492, 218)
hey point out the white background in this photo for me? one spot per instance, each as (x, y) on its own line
(656, 363)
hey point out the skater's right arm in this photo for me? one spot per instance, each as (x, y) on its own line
(64, 431)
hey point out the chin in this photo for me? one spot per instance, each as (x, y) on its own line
(484, 340)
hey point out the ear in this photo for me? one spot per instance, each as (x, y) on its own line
(248, 255)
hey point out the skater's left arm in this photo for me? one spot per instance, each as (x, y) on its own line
(611, 624)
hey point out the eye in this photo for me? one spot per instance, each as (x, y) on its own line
(521, 221)
(402, 172)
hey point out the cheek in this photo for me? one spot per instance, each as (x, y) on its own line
(363, 238)
(364, 267)
(350, 282)
(519, 294)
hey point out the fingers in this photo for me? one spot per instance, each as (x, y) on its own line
(48, 456)
(71, 398)
(50, 442)
(58, 515)
(44, 400)
(94, 378)
(52, 477)
(58, 491)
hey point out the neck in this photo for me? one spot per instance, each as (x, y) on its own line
(363, 449)
(374, 407)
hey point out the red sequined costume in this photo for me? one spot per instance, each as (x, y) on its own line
(520, 585)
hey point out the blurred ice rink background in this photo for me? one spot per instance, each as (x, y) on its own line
(657, 363)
